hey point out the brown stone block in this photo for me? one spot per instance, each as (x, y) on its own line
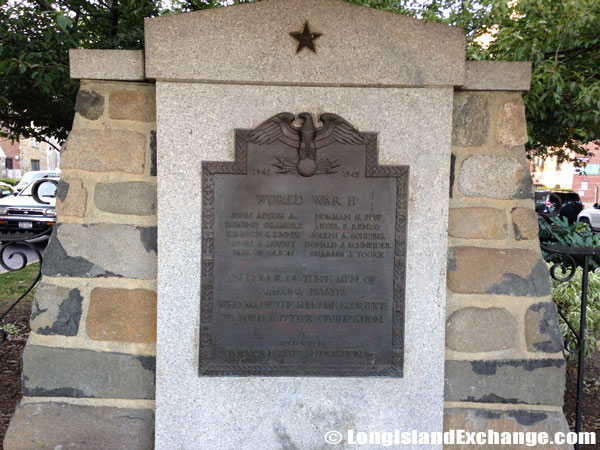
(474, 330)
(71, 198)
(477, 223)
(512, 126)
(474, 270)
(132, 105)
(525, 223)
(105, 150)
(122, 315)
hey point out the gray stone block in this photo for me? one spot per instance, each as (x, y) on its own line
(501, 421)
(474, 330)
(531, 381)
(497, 76)
(101, 250)
(494, 176)
(90, 104)
(153, 153)
(53, 426)
(126, 65)
(126, 198)
(56, 310)
(470, 120)
(542, 332)
(358, 46)
(452, 176)
(68, 372)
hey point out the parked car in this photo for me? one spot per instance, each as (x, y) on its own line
(547, 202)
(34, 175)
(591, 216)
(22, 212)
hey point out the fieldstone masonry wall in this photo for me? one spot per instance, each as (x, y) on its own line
(504, 364)
(88, 368)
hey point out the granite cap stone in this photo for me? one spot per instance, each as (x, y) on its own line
(359, 46)
(125, 65)
(497, 76)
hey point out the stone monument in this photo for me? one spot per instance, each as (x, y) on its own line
(326, 224)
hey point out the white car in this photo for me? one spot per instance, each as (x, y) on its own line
(22, 212)
(34, 175)
(591, 216)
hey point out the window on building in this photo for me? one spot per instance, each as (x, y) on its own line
(35, 164)
(34, 142)
(9, 163)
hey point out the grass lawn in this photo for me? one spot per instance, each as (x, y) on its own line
(14, 284)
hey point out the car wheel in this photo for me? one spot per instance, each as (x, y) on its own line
(586, 221)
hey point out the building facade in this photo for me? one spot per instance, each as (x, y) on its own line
(10, 167)
(583, 178)
(27, 155)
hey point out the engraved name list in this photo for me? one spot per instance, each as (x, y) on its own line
(303, 257)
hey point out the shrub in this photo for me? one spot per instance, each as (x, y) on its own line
(9, 181)
(567, 296)
(557, 231)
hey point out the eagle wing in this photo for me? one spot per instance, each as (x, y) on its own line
(278, 127)
(336, 129)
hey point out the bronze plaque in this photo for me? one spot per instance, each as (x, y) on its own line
(303, 254)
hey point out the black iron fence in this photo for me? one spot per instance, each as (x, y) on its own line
(563, 269)
(564, 261)
(12, 250)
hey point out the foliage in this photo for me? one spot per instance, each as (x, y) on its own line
(178, 6)
(37, 97)
(560, 38)
(10, 328)
(9, 181)
(567, 296)
(557, 231)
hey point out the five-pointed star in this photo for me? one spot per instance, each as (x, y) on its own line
(306, 38)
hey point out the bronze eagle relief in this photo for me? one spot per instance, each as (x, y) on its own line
(306, 139)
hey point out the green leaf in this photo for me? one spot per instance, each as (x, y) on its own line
(63, 22)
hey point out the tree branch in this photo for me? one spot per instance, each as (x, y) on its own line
(577, 51)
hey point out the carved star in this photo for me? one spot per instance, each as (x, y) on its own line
(306, 38)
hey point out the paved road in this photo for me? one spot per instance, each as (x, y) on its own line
(39, 243)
